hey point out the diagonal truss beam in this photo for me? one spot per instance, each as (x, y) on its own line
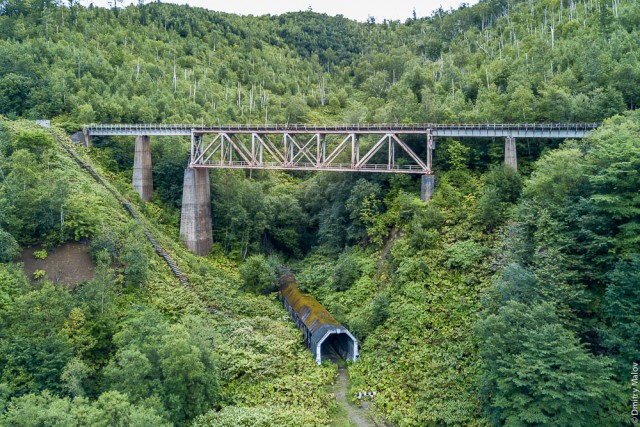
(306, 151)
(409, 151)
(376, 147)
(338, 150)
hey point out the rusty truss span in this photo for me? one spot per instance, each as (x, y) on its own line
(382, 148)
(348, 147)
(351, 152)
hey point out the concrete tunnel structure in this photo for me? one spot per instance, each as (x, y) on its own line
(320, 330)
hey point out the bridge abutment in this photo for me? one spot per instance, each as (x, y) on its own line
(195, 220)
(427, 187)
(510, 154)
(142, 176)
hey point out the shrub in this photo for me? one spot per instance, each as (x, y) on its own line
(258, 275)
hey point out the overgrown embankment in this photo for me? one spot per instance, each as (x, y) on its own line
(116, 334)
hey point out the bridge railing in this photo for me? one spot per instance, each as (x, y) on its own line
(340, 127)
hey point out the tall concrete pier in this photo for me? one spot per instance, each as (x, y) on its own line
(427, 187)
(510, 155)
(142, 177)
(195, 221)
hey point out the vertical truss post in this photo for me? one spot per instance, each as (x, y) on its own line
(223, 153)
(292, 155)
(199, 142)
(230, 150)
(285, 152)
(192, 149)
(324, 149)
(253, 149)
(354, 160)
(392, 155)
(429, 151)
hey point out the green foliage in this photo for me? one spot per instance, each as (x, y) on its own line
(248, 215)
(39, 275)
(172, 362)
(379, 310)
(73, 375)
(35, 140)
(465, 254)
(564, 298)
(33, 355)
(346, 271)
(261, 416)
(135, 256)
(9, 248)
(622, 300)
(364, 206)
(111, 409)
(41, 254)
(32, 199)
(12, 284)
(104, 239)
(258, 274)
(451, 67)
(536, 372)
(457, 155)
(66, 344)
(98, 294)
(614, 160)
(502, 189)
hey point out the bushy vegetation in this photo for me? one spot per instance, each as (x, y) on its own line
(510, 298)
(133, 346)
(496, 61)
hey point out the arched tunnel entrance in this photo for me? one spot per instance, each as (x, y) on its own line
(337, 340)
(322, 333)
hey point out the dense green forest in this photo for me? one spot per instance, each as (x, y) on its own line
(510, 298)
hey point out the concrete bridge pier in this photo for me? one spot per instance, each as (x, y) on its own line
(428, 182)
(428, 185)
(195, 220)
(142, 177)
(510, 155)
(87, 139)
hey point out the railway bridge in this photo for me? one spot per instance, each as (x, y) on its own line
(379, 148)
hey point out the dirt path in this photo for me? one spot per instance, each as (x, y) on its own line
(357, 416)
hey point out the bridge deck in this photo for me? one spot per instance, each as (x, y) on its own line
(519, 130)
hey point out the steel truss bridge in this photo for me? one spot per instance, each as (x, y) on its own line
(350, 147)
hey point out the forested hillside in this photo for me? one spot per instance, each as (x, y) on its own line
(497, 61)
(510, 298)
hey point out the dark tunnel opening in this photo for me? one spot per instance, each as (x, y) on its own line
(338, 344)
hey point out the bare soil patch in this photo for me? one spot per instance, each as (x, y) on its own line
(68, 264)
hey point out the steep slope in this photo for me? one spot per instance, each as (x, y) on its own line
(258, 358)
